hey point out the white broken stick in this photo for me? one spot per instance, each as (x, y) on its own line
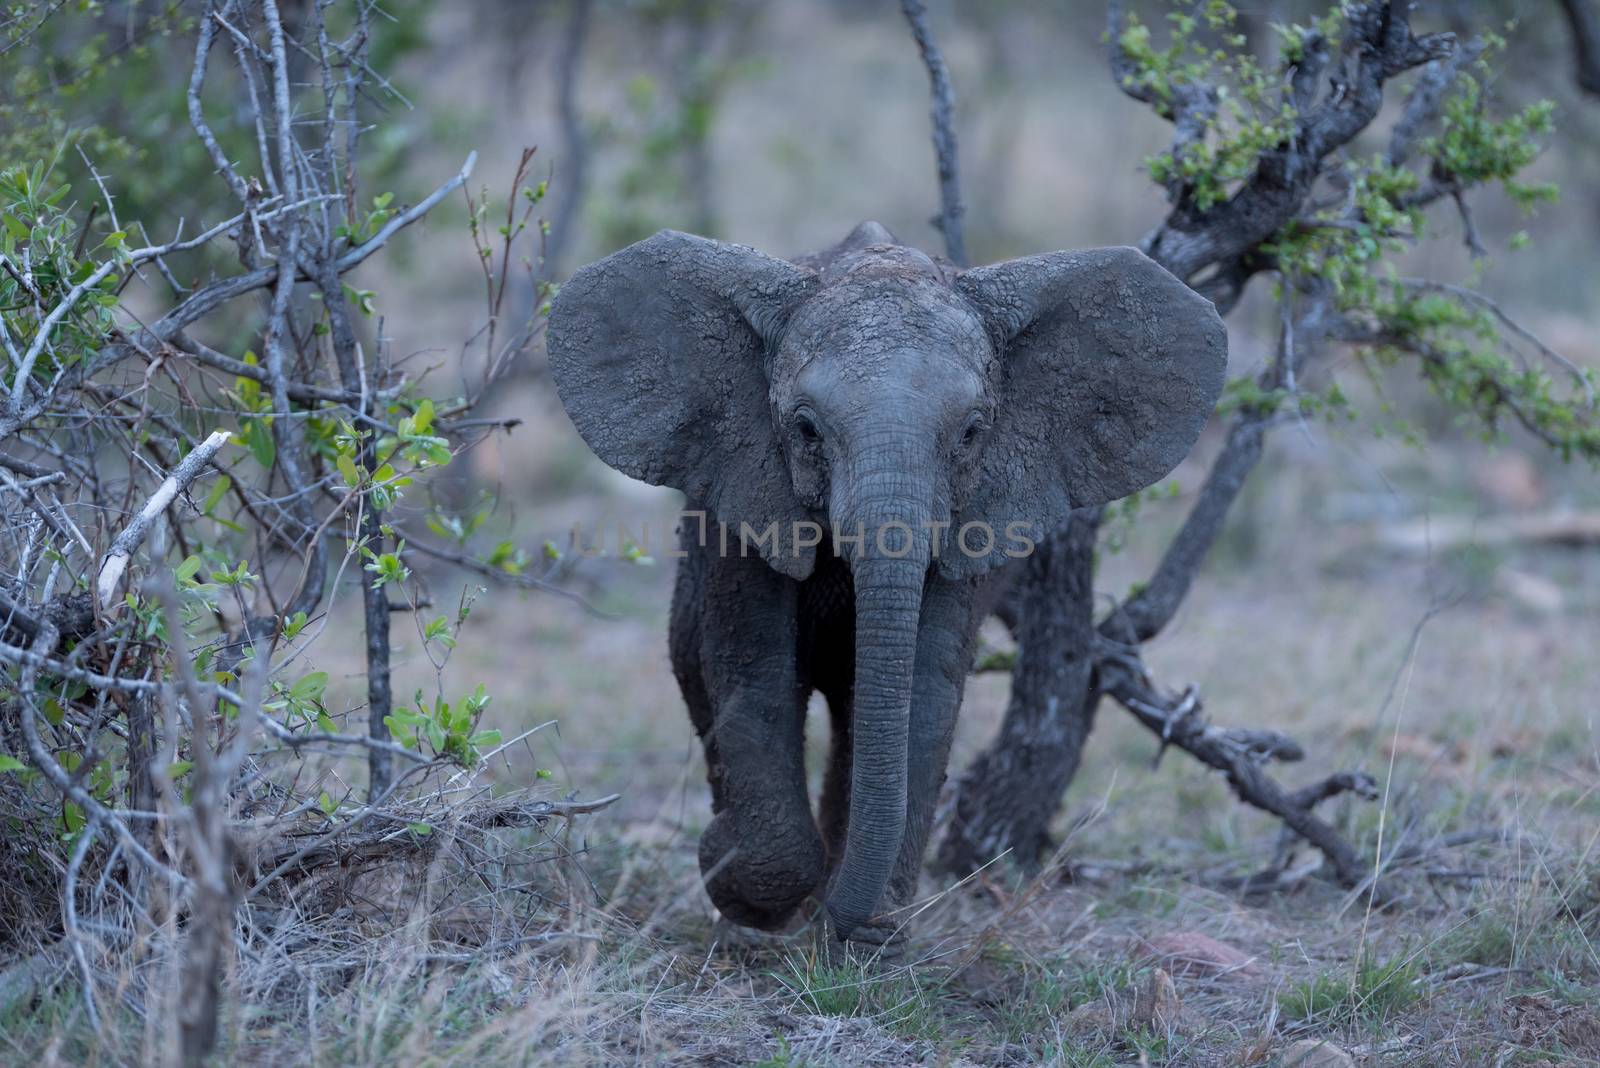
(133, 535)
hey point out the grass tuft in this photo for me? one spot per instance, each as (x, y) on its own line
(1367, 996)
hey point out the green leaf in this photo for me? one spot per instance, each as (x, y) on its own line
(348, 470)
(223, 484)
(327, 804)
(258, 439)
(310, 687)
(10, 763)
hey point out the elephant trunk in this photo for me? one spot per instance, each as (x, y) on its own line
(889, 567)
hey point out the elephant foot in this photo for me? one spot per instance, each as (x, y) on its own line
(759, 880)
(739, 942)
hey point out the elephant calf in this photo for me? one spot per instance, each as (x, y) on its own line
(933, 422)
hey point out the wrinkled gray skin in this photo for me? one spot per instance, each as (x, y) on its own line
(862, 387)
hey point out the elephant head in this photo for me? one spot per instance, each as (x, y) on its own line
(895, 401)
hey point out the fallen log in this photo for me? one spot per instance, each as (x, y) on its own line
(1439, 533)
(406, 831)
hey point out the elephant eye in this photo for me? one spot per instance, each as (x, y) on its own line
(969, 436)
(806, 424)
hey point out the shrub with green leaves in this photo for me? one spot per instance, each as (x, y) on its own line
(1335, 252)
(186, 515)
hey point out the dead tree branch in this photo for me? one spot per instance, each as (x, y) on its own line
(942, 116)
(133, 535)
(305, 851)
(1242, 757)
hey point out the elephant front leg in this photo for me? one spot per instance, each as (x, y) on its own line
(944, 658)
(761, 855)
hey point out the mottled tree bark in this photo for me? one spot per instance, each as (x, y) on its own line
(1007, 798)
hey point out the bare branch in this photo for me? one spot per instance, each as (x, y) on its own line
(1584, 22)
(133, 535)
(574, 141)
(204, 301)
(1469, 229)
(1144, 615)
(942, 115)
(69, 917)
(195, 349)
(197, 119)
(1177, 721)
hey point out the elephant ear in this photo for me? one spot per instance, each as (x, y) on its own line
(1108, 369)
(659, 355)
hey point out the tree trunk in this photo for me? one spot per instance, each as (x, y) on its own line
(1012, 791)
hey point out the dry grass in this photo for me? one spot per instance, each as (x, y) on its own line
(600, 947)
